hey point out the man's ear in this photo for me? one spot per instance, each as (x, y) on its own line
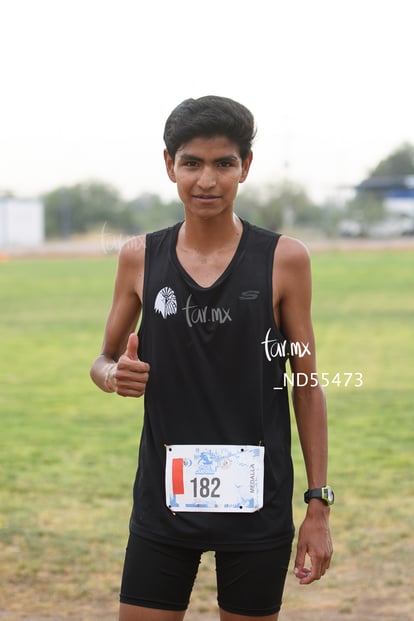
(246, 167)
(169, 165)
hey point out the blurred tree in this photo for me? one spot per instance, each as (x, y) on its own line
(149, 213)
(329, 216)
(399, 163)
(284, 204)
(247, 205)
(366, 209)
(81, 208)
(89, 206)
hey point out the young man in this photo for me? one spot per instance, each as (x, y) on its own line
(223, 305)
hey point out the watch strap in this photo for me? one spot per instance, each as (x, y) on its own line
(325, 494)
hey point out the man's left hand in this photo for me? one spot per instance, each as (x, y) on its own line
(314, 540)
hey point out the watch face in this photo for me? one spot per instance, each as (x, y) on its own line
(328, 493)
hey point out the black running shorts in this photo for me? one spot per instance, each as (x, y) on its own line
(161, 576)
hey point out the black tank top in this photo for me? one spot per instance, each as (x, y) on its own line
(215, 364)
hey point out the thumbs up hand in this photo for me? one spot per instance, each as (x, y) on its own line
(131, 374)
(132, 347)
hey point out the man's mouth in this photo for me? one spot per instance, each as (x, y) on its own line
(206, 196)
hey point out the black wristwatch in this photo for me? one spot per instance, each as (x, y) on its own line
(326, 494)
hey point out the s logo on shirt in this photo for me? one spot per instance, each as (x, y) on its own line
(249, 295)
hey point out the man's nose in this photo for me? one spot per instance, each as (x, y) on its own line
(207, 178)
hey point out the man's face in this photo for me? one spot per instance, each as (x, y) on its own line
(207, 172)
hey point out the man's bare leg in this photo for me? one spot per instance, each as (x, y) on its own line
(139, 613)
(229, 616)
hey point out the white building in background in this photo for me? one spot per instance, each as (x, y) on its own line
(22, 223)
(397, 197)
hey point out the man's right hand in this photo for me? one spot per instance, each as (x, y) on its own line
(130, 375)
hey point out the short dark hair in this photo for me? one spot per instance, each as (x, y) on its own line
(207, 117)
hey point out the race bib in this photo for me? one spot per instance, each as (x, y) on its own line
(214, 478)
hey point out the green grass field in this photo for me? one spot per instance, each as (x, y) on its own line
(68, 452)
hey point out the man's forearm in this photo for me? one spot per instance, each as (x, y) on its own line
(310, 412)
(103, 373)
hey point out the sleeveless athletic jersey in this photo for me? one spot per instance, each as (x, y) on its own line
(216, 356)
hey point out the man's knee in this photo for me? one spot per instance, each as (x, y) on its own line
(128, 612)
(229, 616)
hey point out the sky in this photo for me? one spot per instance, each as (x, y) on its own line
(86, 87)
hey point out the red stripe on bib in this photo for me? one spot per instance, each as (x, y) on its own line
(178, 476)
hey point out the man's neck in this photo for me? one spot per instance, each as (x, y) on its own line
(210, 236)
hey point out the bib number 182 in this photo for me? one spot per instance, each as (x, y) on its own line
(204, 487)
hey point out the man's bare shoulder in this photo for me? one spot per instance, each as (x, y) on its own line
(291, 271)
(132, 252)
(291, 253)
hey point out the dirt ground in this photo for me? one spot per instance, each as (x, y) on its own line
(98, 246)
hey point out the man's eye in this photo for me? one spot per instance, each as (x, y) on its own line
(191, 164)
(224, 164)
